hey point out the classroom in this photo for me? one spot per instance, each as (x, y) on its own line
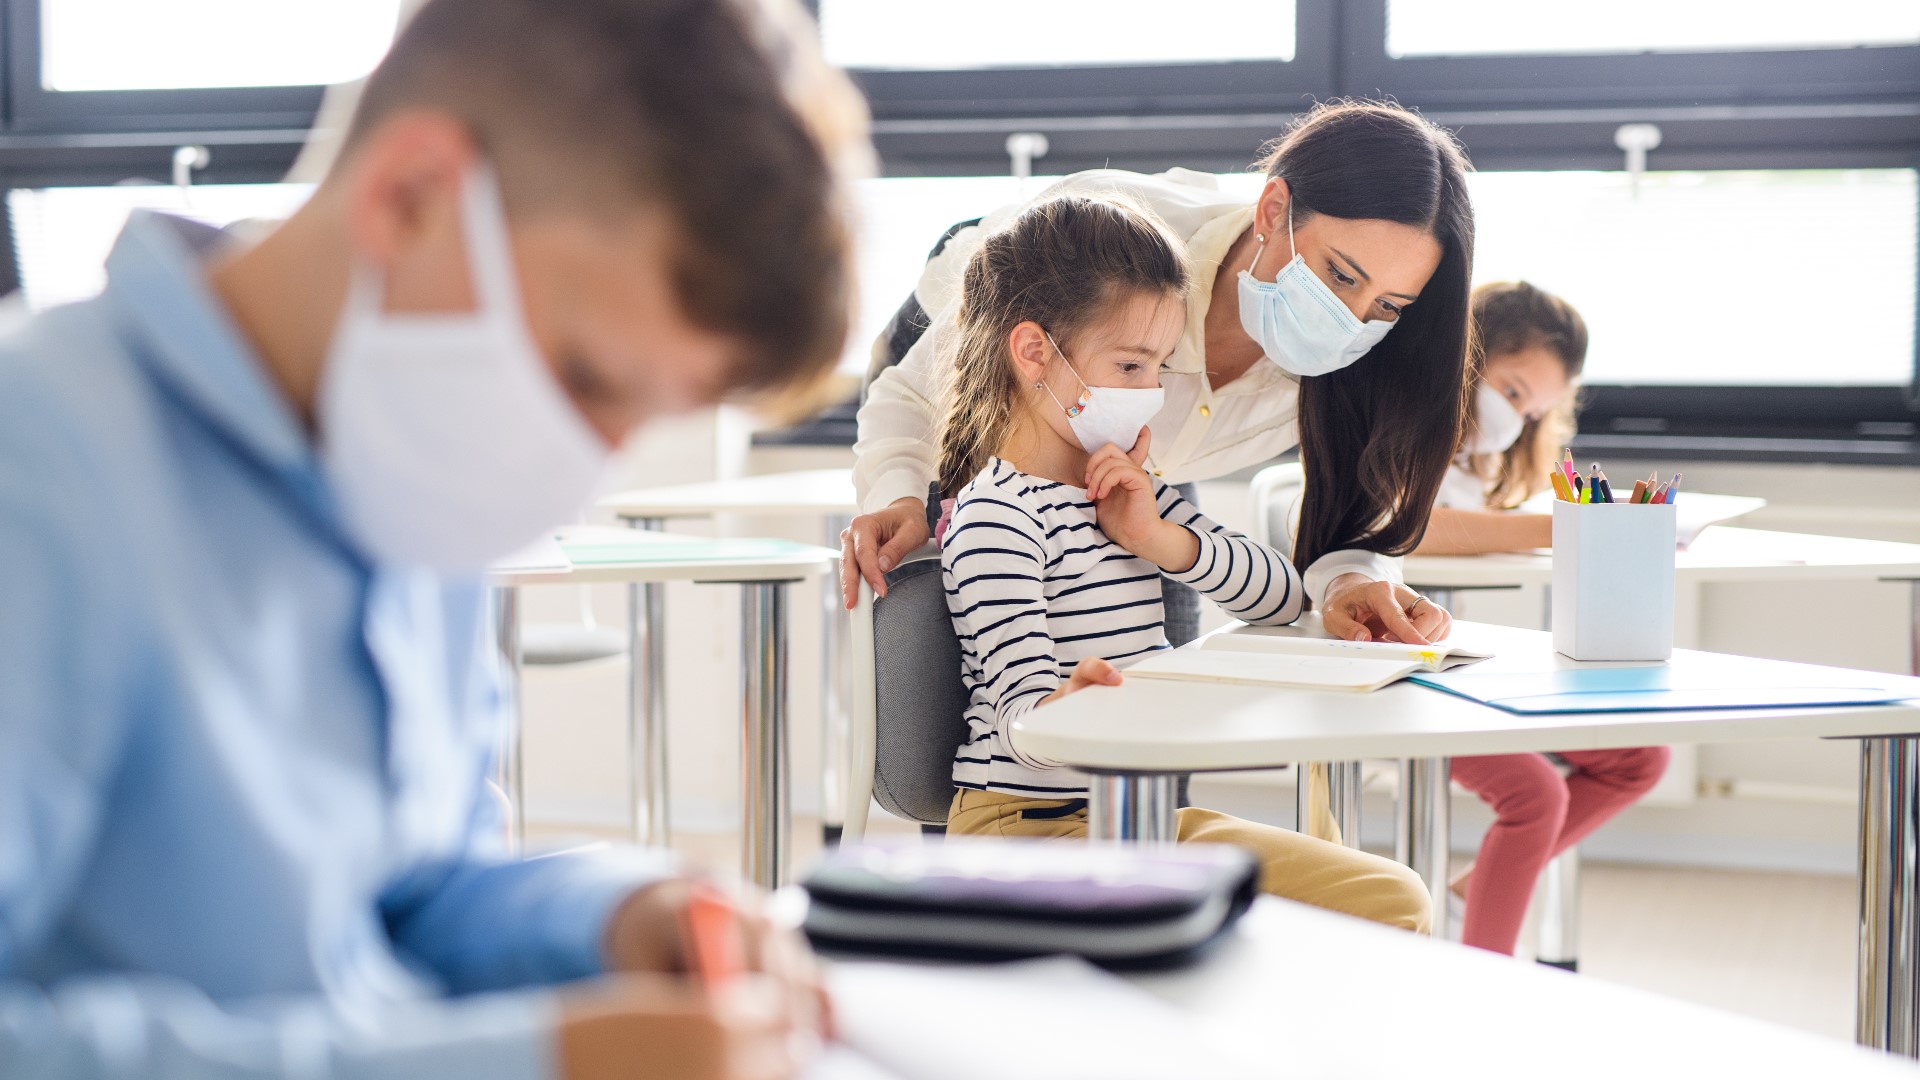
(928, 540)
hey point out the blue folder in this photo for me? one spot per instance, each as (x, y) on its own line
(1660, 688)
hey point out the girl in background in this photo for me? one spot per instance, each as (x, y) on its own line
(1531, 348)
(1058, 538)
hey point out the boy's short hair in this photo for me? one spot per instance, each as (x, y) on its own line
(720, 112)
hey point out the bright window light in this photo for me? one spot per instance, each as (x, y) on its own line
(63, 235)
(188, 44)
(1725, 278)
(1518, 27)
(928, 35)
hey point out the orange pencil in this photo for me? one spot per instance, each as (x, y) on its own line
(1639, 491)
(713, 936)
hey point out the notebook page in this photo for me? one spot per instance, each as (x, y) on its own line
(1430, 657)
(1305, 672)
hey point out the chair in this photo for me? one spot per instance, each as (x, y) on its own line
(1276, 503)
(907, 702)
(557, 644)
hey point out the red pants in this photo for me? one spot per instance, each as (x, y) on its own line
(1539, 814)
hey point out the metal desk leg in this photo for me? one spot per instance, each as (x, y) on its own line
(765, 790)
(512, 780)
(1889, 803)
(1132, 807)
(833, 698)
(1335, 785)
(1559, 930)
(1420, 835)
(647, 790)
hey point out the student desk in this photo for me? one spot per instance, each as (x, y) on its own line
(1293, 991)
(1124, 737)
(1325, 995)
(763, 569)
(1721, 556)
(823, 494)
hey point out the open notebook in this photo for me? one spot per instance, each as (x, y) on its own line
(1272, 658)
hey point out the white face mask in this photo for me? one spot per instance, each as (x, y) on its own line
(1106, 415)
(447, 440)
(1496, 423)
(1299, 322)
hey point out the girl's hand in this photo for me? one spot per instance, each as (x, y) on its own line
(1129, 513)
(1092, 671)
(1361, 609)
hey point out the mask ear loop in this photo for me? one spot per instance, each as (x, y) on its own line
(1262, 249)
(1086, 396)
(1086, 392)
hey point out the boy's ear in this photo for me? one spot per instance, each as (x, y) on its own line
(1031, 350)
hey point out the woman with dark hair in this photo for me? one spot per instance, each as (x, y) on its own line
(1330, 315)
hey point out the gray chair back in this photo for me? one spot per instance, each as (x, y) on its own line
(920, 702)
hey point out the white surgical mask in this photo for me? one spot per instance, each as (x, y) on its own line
(446, 439)
(1496, 423)
(1106, 415)
(1298, 321)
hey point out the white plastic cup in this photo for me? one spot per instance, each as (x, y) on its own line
(1613, 580)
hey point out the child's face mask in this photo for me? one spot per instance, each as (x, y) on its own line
(1106, 415)
(1496, 423)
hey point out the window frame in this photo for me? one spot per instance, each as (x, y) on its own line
(36, 109)
(1101, 89)
(1648, 78)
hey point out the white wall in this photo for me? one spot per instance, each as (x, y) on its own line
(1795, 808)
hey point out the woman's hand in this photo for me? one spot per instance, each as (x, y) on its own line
(1358, 608)
(660, 1025)
(1129, 513)
(875, 543)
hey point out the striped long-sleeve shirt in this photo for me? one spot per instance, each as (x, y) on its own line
(1035, 587)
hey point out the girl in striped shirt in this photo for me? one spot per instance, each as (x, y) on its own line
(1059, 536)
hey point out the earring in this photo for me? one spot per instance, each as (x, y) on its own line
(1262, 237)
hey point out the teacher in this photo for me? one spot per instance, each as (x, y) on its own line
(1331, 315)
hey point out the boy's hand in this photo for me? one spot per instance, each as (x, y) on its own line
(662, 1025)
(647, 933)
(1129, 514)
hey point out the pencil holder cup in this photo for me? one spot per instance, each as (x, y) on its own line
(1613, 580)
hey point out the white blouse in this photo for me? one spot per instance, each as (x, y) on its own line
(1200, 434)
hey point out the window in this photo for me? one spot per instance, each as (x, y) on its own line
(900, 221)
(62, 235)
(1775, 278)
(1515, 27)
(922, 35)
(1682, 282)
(184, 44)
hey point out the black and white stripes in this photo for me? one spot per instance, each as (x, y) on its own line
(1035, 587)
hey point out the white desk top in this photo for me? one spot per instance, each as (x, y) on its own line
(1156, 725)
(602, 554)
(815, 491)
(1330, 996)
(1722, 554)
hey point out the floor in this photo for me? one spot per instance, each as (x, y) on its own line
(1775, 946)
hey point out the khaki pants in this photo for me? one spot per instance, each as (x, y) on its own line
(1292, 865)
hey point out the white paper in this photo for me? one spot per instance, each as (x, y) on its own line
(1305, 672)
(1436, 657)
(1053, 1019)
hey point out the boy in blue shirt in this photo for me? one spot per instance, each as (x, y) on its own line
(246, 701)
